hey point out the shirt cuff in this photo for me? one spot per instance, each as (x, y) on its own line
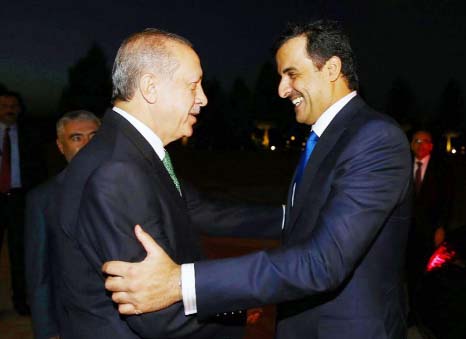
(188, 288)
(283, 218)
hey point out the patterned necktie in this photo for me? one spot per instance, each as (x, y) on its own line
(418, 177)
(168, 165)
(310, 144)
(5, 175)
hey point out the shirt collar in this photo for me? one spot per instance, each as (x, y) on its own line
(326, 118)
(146, 132)
(424, 160)
(3, 127)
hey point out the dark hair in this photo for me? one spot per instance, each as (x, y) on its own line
(325, 38)
(140, 52)
(14, 95)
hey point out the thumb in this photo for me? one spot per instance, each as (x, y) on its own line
(147, 241)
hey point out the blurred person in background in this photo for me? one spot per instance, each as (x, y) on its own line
(20, 169)
(74, 130)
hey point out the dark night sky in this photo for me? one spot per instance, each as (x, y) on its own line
(424, 42)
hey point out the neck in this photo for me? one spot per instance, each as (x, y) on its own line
(144, 115)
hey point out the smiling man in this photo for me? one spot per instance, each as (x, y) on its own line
(125, 176)
(339, 272)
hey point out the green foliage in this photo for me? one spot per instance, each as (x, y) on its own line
(89, 84)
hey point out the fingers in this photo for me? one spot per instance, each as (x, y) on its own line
(119, 268)
(116, 284)
(146, 240)
(128, 309)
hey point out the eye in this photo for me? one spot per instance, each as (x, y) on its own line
(76, 138)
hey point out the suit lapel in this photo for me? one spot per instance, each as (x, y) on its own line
(145, 150)
(324, 146)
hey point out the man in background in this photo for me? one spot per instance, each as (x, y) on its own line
(74, 130)
(430, 208)
(20, 169)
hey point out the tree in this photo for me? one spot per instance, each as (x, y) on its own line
(402, 105)
(89, 84)
(210, 131)
(268, 107)
(240, 120)
(450, 114)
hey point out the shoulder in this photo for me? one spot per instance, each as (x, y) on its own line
(368, 124)
(42, 191)
(118, 175)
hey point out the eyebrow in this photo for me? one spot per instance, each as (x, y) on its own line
(75, 134)
(289, 69)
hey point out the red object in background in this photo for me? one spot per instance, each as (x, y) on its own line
(441, 256)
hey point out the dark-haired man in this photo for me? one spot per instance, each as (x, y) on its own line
(431, 205)
(20, 169)
(338, 273)
(74, 130)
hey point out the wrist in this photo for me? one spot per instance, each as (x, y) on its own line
(177, 295)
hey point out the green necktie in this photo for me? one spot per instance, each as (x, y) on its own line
(168, 165)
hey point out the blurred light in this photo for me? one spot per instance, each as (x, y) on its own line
(303, 144)
(293, 138)
(272, 148)
(453, 151)
(441, 256)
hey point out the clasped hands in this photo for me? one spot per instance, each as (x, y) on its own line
(150, 285)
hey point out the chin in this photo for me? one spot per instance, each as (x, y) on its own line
(188, 132)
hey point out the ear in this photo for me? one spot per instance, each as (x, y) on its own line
(333, 66)
(148, 87)
(60, 147)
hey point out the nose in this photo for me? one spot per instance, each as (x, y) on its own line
(201, 98)
(284, 89)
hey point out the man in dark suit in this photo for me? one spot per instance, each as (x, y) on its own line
(339, 271)
(430, 207)
(124, 176)
(20, 169)
(74, 130)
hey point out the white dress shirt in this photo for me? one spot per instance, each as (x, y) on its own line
(324, 120)
(425, 163)
(188, 278)
(146, 132)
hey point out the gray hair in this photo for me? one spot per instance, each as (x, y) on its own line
(140, 52)
(79, 115)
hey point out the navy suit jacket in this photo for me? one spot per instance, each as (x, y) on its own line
(338, 273)
(115, 182)
(39, 261)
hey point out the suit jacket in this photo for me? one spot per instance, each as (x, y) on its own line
(338, 273)
(115, 182)
(39, 261)
(31, 158)
(430, 211)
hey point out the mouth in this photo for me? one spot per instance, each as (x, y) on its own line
(297, 101)
(193, 116)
